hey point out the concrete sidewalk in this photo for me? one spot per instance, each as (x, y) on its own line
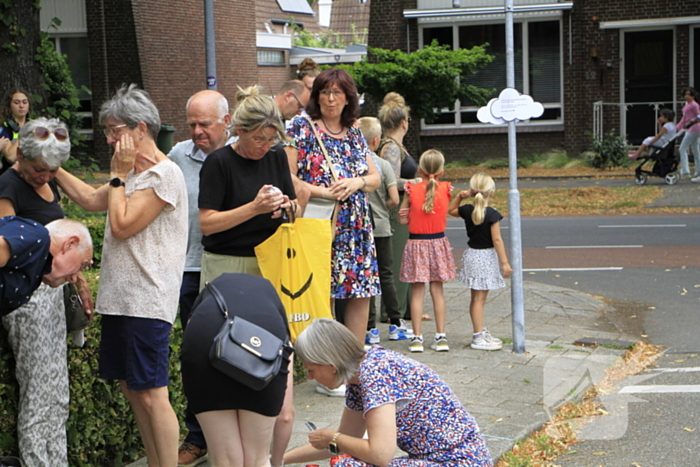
(504, 391)
(508, 394)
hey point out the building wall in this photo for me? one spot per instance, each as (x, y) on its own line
(271, 78)
(160, 45)
(582, 88)
(388, 29)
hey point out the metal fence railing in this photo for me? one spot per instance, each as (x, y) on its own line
(624, 108)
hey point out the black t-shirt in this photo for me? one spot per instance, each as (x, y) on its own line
(27, 202)
(228, 181)
(479, 235)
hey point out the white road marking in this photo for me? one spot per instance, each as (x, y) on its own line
(578, 247)
(639, 226)
(677, 370)
(573, 269)
(660, 389)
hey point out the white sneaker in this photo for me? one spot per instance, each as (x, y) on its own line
(485, 341)
(416, 344)
(399, 333)
(695, 179)
(337, 392)
(372, 337)
(440, 344)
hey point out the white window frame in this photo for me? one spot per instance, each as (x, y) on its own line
(457, 109)
(88, 133)
(264, 51)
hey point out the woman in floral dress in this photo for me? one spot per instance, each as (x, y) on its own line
(333, 108)
(397, 401)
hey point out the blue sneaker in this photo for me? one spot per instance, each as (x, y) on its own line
(372, 336)
(400, 333)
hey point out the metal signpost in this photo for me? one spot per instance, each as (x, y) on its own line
(516, 254)
(210, 43)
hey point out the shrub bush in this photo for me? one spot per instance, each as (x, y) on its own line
(101, 427)
(610, 151)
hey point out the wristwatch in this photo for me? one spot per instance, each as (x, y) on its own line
(116, 182)
(333, 445)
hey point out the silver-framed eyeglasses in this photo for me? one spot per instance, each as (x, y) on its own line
(112, 130)
(259, 141)
(334, 92)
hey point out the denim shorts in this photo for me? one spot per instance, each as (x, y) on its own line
(135, 350)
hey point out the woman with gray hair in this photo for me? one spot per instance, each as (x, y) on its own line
(397, 401)
(142, 261)
(37, 330)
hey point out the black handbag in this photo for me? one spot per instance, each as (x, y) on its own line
(76, 319)
(244, 351)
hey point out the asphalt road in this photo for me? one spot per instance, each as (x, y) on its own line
(648, 267)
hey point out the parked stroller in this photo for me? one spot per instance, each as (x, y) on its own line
(662, 162)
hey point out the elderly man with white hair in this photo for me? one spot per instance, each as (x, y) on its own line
(37, 329)
(31, 254)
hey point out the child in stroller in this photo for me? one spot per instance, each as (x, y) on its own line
(664, 162)
(667, 130)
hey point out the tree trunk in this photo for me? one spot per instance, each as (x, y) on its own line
(18, 45)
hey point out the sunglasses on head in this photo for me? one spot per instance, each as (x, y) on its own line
(42, 133)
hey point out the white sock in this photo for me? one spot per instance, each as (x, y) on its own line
(438, 335)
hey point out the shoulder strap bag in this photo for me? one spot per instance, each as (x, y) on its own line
(244, 351)
(321, 208)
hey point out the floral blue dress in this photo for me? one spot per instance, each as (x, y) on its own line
(432, 426)
(354, 269)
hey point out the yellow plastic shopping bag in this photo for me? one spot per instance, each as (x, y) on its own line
(297, 260)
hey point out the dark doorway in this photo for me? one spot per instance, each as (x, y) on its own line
(648, 79)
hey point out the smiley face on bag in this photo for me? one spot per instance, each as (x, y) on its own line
(291, 254)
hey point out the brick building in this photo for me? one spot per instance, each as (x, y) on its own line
(160, 45)
(631, 57)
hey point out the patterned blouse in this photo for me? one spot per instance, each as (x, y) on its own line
(433, 427)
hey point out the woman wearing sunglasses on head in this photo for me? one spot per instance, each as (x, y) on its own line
(37, 330)
(142, 261)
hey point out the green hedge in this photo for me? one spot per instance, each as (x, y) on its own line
(101, 426)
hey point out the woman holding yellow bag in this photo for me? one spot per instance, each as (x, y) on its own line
(239, 208)
(238, 205)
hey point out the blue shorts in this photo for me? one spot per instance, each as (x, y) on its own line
(135, 350)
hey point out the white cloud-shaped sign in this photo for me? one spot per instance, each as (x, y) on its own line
(509, 106)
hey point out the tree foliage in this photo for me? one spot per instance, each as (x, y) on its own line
(62, 95)
(19, 40)
(429, 79)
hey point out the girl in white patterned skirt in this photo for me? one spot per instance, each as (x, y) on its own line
(480, 263)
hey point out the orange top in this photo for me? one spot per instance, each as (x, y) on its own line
(421, 222)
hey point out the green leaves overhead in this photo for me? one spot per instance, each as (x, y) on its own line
(429, 78)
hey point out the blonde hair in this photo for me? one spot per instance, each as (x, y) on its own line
(370, 128)
(483, 185)
(308, 68)
(393, 112)
(254, 112)
(431, 163)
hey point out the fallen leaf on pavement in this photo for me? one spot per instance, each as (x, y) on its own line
(601, 453)
(689, 429)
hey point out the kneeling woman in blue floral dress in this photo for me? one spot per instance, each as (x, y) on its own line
(396, 400)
